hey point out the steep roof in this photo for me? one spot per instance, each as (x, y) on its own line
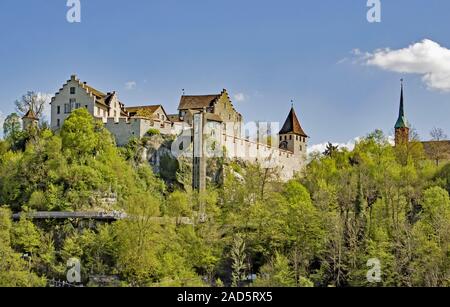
(402, 122)
(197, 102)
(30, 114)
(213, 117)
(151, 109)
(292, 125)
(100, 96)
(174, 118)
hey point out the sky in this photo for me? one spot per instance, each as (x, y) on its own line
(342, 72)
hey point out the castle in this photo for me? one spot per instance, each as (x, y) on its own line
(222, 127)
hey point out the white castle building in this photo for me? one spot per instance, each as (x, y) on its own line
(286, 150)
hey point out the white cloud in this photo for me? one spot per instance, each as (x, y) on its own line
(426, 58)
(130, 85)
(350, 145)
(240, 97)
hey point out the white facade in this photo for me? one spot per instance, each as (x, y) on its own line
(74, 95)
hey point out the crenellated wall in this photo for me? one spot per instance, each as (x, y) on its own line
(287, 163)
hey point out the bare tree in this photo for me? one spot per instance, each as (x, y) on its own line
(438, 134)
(437, 148)
(31, 101)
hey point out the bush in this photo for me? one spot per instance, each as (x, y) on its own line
(153, 131)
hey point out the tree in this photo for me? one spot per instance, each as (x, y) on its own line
(438, 134)
(31, 101)
(276, 273)
(14, 270)
(330, 150)
(238, 258)
(437, 148)
(78, 134)
(12, 126)
(431, 240)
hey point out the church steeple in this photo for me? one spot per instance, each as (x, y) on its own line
(401, 126)
(401, 121)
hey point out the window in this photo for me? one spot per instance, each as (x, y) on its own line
(86, 106)
(77, 105)
(290, 137)
(301, 148)
(58, 122)
(115, 113)
(72, 91)
(72, 102)
(66, 108)
(58, 110)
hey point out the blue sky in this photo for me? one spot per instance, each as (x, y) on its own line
(265, 51)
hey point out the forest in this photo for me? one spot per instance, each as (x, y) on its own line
(318, 230)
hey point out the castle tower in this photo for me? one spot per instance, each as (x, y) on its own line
(29, 120)
(292, 136)
(402, 126)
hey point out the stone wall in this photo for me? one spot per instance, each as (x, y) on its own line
(243, 149)
(127, 128)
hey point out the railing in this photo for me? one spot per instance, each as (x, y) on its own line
(72, 215)
(100, 216)
(53, 283)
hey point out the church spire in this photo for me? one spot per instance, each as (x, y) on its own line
(402, 122)
(402, 126)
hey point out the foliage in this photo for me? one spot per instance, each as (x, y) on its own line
(320, 229)
(153, 131)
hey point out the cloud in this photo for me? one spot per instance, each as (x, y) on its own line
(426, 58)
(350, 145)
(130, 85)
(240, 97)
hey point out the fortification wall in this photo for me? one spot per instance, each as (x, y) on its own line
(126, 128)
(286, 162)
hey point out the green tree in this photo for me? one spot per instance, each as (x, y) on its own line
(238, 260)
(276, 273)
